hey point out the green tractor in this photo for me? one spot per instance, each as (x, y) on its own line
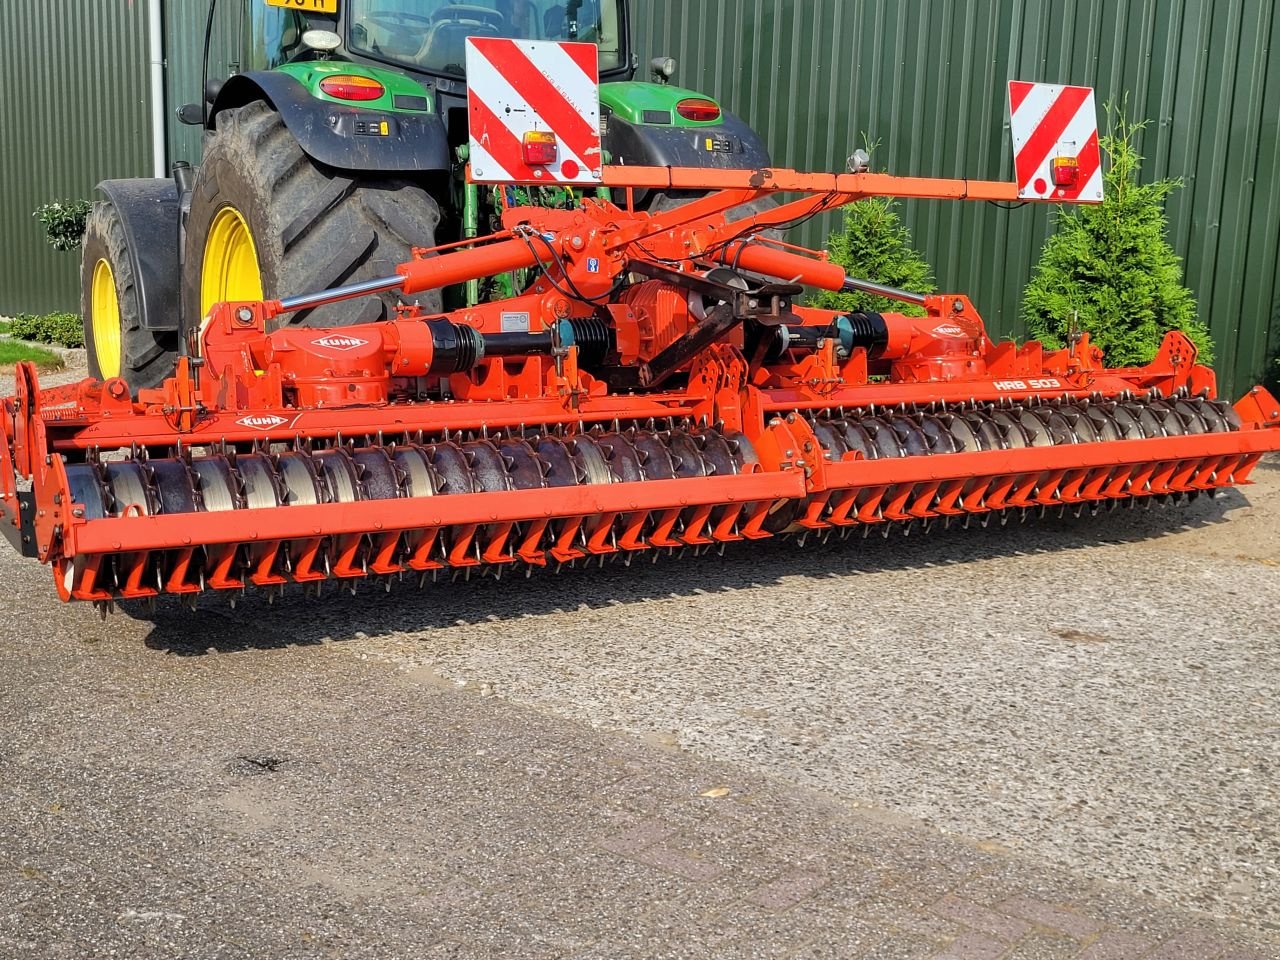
(345, 148)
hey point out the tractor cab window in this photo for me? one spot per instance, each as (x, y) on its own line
(431, 35)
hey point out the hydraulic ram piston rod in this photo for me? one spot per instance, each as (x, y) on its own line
(433, 273)
(880, 290)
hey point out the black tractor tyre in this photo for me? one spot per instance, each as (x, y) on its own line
(313, 227)
(145, 356)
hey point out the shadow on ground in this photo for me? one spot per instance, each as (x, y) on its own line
(254, 624)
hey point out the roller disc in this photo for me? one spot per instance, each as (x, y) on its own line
(718, 456)
(623, 458)
(686, 455)
(939, 438)
(523, 466)
(1127, 422)
(1148, 423)
(86, 489)
(963, 431)
(419, 476)
(1167, 417)
(338, 472)
(216, 482)
(173, 485)
(377, 473)
(858, 439)
(127, 488)
(913, 439)
(1103, 423)
(590, 460)
(655, 458)
(743, 451)
(831, 440)
(486, 466)
(451, 467)
(884, 437)
(1190, 415)
(1081, 426)
(558, 463)
(298, 479)
(1035, 429)
(1225, 414)
(258, 481)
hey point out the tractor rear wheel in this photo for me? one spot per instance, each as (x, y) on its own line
(268, 221)
(117, 343)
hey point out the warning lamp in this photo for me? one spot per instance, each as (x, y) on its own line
(352, 87)
(699, 109)
(1066, 171)
(540, 148)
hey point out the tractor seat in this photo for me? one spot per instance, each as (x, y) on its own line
(445, 45)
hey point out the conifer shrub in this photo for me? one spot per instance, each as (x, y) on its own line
(1109, 268)
(874, 244)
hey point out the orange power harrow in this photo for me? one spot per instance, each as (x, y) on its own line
(656, 387)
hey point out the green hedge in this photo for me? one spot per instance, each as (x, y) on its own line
(61, 328)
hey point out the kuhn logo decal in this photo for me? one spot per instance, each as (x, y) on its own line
(338, 342)
(948, 330)
(268, 422)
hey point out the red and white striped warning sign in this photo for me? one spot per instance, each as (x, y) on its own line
(534, 110)
(1055, 142)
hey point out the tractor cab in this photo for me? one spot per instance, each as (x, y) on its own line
(429, 36)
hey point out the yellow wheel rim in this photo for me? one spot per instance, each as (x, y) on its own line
(104, 319)
(230, 269)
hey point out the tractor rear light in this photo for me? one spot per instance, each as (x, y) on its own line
(540, 148)
(699, 110)
(1066, 171)
(352, 87)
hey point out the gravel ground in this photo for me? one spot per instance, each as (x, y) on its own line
(1100, 693)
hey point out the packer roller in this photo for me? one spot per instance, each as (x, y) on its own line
(656, 386)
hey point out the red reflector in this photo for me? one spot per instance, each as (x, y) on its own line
(1066, 171)
(352, 87)
(540, 148)
(703, 111)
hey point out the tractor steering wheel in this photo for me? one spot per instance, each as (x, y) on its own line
(468, 13)
(393, 19)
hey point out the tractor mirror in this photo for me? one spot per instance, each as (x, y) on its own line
(191, 114)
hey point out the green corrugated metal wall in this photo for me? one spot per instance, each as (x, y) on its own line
(926, 79)
(74, 76)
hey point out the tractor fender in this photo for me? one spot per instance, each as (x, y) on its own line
(150, 212)
(327, 132)
(729, 145)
